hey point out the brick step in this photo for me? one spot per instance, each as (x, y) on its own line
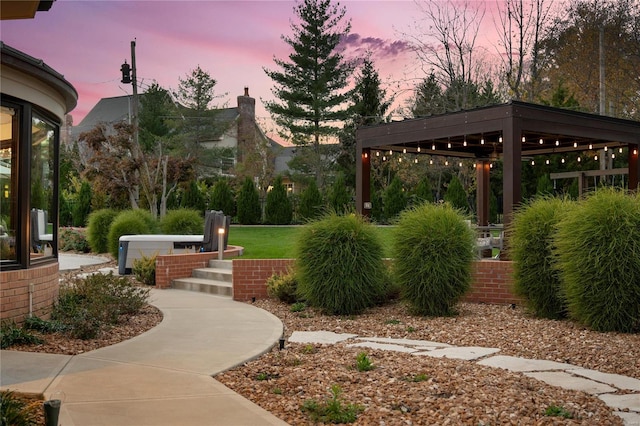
(203, 285)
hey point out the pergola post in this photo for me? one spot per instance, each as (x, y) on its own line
(634, 166)
(483, 193)
(363, 179)
(512, 167)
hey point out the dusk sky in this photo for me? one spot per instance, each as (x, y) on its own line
(87, 41)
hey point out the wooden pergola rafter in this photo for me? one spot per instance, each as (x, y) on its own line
(509, 131)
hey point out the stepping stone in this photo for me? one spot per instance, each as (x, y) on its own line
(629, 419)
(615, 380)
(321, 337)
(382, 347)
(407, 342)
(513, 363)
(464, 352)
(567, 381)
(621, 402)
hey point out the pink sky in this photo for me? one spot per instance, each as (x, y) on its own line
(87, 41)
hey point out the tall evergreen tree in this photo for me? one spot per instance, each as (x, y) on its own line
(278, 209)
(311, 88)
(222, 198)
(394, 199)
(310, 206)
(154, 117)
(369, 107)
(248, 203)
(339, 199)
(456, 195)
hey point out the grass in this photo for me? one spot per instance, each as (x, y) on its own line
(277, 242)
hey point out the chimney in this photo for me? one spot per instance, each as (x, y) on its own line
(246, 123)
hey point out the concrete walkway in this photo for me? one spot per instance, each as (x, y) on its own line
(625, 404)
(162, 377)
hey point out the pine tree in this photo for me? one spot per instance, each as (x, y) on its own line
(310, 206)
(248, 204)
(394, 199)
(369, 107)
(339, 198)
(456, 195)
(423, 191)
(278, 209)
(311, 88)
(192, 197)
(222, 198)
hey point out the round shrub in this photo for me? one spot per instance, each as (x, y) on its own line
(339, 264)
(536, 278)
(182, 222)
(98, 229)
(434, 249)
(598, 248)
(147, 218)
(128, 222)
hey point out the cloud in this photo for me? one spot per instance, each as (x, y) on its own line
(356, 45)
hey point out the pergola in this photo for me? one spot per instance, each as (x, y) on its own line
(509, 131)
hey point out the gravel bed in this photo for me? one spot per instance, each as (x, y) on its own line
(404, 389)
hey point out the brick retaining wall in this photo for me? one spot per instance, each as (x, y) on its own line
(492, 280)
(14, 292)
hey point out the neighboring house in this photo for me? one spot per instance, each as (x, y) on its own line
(241, 131)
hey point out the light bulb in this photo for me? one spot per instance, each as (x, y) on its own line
(620, 150)
(400, 160)
(390, 152)
(579, 159)
(418, 149)
(449, 145)
(491, 166)
(482, 141)
(605, 148)
(541, 141)
(460, 164)
(533, 163)
(384, 158)
(557, 142)
(430, 161)
(590, 146)
(500, 139)
(433, 147)
(404, 150)
(575, 144)
(446, 163)
(595, 157)
(464, 143)
(415, 161)
(524, 139)
(562, 161)
(377, 153)
(613, 156)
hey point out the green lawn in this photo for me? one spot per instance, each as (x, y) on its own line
(277, 242)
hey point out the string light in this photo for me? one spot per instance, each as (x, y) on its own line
(431, 162)
(635, 152)
(390, 152)
(418, 148)
(433, 147)
(446, 163)
(460, 164)
(620, 150)
(541, 141)
(562, 161)
(464, 143)
(524, 139)
(482, 141)
(579, 159)
(557, 142)
(491, 166)
(400, 160)
(533, 163)
(547, 162)
(595, 157)
(449, 145)
(590, 146)
(404, 150)
(613, 156)
(605, 148)
(384, 158)
(415, 161)
(500, 139)
(575, 144)
(377, 153)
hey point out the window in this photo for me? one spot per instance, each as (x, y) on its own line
(8, 183)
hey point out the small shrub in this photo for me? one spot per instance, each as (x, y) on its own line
(283, 287)
(420, 378)
(309, 349)
(87, 305)
(411, 329)
(333, 409)
(298, 307)
(598, 249)
(43, 326)
(182, 222)
(339, 264)
(556, 411)
(248, 203)
(129, 222)
(278, 209)
(144, 269)
(262, 376)
(98, 229)
(393, 322)
(536, 278)
(277, 391)
(14, 335)
(363, 363)
(71, 239)
(434, 250)
(14, 411)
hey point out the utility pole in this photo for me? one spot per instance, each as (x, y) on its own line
(129, 76)
(603, 153)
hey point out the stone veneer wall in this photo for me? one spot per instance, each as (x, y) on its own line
(14, 292)
(492, 280)
(172, 266)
